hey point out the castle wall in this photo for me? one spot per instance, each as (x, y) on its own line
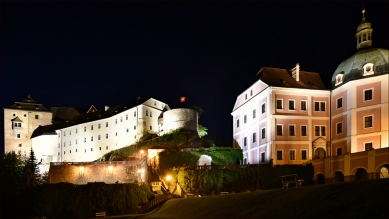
(180, 118)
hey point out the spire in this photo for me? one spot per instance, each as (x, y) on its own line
(364, 32)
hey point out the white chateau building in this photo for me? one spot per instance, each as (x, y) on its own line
(290, 117)
(79, 135)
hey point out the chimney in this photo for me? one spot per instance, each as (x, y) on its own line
(296, 72)
(106, 107)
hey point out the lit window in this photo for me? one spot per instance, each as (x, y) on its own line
(304, 105)
(279, 130)
(254, 137)
(254, 114)
(279, 155)
(303, 155)
(263, 133)
(292, 155)
(263, 108)
(339, 128)
(291, 130)
(244, 141)
(368, 146)
(279, 104)
(368, 121)
(339, 103)
(291, 105)
(338, 79)
(368, 94)
(303, 130)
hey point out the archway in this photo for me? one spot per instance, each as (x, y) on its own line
(361, 174)
(339, 177)
(320, 179)
(320, 153)
(384, 173)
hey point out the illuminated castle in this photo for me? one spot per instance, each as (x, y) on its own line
(291, 118)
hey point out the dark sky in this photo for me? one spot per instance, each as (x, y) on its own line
(75, 54)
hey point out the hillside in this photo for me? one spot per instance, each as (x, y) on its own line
(360, 199)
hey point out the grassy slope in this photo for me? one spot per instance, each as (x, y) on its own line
(360, 199)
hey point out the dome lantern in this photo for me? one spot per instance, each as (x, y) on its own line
(364, 33)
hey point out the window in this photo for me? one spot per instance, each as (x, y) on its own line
(279, 130)
(76, 141)
(64, 133)
(70, 143)
(251, 92)
(116, 134)
(320, 130)
(254, 137)
(126, 117)
(279, 155)
(338, 79)
(291, 130)
(338, 151)
(13, 114)
(368, 69)
(263, 133)
(245, 96)
(134, 116)
(106, 136)
(320, 106)
(100, 148)
(84, 140)
(70, 132)
(64, 145)
(245, 119)
(263, 108)
(254, 114)
(84, 129)
(368, 94)
(292, 155)
(106, 147)
(85, 150)
(151, 127)
(20, 145)
(155, 103)
(17, 135)
(134, 127)
(25, 115)
(151, 115)
(91, 149)
(237, 123)
(70, 151)
(245, 160)
(58, 154)
(291, 105)
(106, 124)
(368, 146)
(244, 141)
(36, 116)
(126, 130)
(121, 119)
(116, 121)
(339, 128)
(64, 152)
(303, 154)
(339, 103)
(304, 105)
(76, 150)
(91, 138)
(279, 104)
(58, 145)
(147, 113)
(98, 137)
(368, 121)
(76, 131)
(303, 130)
(91, 127)
(263, 157)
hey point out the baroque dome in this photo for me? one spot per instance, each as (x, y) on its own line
(366, 62)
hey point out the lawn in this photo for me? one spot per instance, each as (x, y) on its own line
(359, 199)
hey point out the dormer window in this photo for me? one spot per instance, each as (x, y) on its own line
(339, 79)
(368, 69)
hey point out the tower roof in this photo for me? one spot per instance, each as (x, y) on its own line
(27, 104)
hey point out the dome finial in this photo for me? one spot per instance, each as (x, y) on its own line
(363, 11)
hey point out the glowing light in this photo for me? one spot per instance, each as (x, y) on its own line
(168, 177)
(110, 169)
(141, 151)
(138, 170)
(182, 99)
(81, 170)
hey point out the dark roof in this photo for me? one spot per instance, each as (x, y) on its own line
(27, 104)
(63, 114)
(102, 114)
(283, 78)
(44, 130)
(16, 119)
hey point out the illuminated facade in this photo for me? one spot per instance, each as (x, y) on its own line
(290, 117)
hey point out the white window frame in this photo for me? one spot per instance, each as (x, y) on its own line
(338, 79)
(320, 130)
(294, 154)
(282, 129)
(263, 133)
(294, 130)
(337, 131)
(364, 121)
(306, 105)
(320, 108)
(254, 114)
(306, 154)
(282, 154)
(244, 141)
(237, 123)
(301, 127)
(372, 94)
(365, 72)
(263, 108)
(341, 103)
(245, 119)
(282, 103)
(294, 104)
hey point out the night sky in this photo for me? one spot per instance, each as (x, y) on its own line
(75, 54)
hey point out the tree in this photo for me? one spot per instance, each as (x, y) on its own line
(31, 166)
(202, 131)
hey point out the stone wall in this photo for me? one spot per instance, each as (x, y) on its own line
(180, 118)
(108, 172)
